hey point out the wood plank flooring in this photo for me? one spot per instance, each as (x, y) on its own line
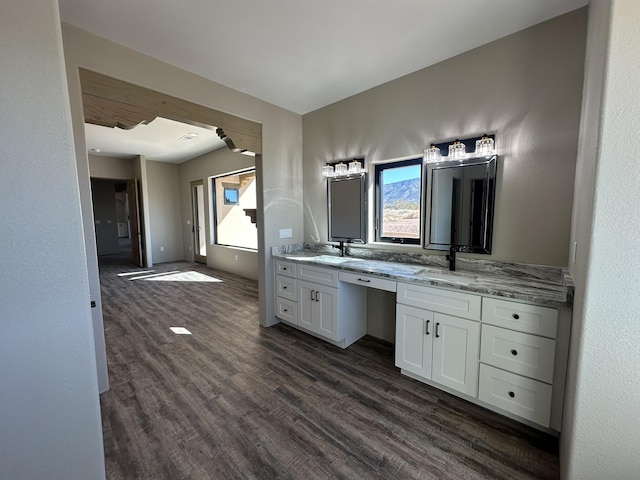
(238, 401)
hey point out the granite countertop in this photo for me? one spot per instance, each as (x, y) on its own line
(533, 283)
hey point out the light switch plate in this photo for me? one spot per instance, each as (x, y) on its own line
(286, 233)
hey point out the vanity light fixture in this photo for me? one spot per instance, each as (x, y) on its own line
(457, 150)
(340, 169)
(485, 146)
(343, 168)
(432, 154)
(461, 150)
(327, 170)
(354, 167)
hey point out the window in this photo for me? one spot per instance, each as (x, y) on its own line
(235, 209)
(398, 197)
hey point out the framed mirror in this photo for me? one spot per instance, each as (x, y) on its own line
(460, 205)
(347, 205)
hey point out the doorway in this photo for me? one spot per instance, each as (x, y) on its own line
(198, 222)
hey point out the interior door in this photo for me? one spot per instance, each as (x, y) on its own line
(198, 225)
(135, 223)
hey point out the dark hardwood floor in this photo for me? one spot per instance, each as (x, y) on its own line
(235, 400)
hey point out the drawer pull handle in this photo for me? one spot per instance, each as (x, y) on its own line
(516, 316)
(427, 328)
(364, 280)
(512, 394)
(312, 292)
(514, 352)
(437, 325)
(317, 295)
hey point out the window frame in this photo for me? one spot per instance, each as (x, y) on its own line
(214, 205)
(381, 167)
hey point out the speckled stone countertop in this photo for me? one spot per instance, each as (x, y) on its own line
(533, 283)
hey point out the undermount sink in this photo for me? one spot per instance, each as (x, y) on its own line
(328, 259)
(448, 276)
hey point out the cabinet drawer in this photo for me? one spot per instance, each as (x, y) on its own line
(368, 281)
(287, 269)
(517, 352)
(450, 302)
(520, 316)
(323, 276)
(521, 396)
(286, 287)
(287, 310)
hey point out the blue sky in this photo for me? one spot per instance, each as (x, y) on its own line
(393, 175)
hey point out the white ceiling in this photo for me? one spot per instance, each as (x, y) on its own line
(161, 140)
(302, 54)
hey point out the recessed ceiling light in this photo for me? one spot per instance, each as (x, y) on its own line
(188, 137)
(94, 150)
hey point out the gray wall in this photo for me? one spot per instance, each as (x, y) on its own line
(163, 181)
(50, 413)
(110, 167)
(526, 88)
(601, 427)
(105, 216)
(239, 261)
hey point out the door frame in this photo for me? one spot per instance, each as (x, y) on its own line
(195, 224)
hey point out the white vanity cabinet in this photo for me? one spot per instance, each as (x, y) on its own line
(312, 299)
(506, 355)
(434, 345)
(318, 309)
(518, 358)
(286, 292)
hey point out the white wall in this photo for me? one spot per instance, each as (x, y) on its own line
(202, 168)
(525, 88)
(50, 413)
(279, 168)
(163, 180)
(601, 431)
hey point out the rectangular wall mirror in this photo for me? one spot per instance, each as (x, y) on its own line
(460, 205)
(347, 208)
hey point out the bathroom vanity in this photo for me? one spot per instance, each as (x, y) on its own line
(496, 336)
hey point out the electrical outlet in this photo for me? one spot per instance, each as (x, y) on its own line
(162, 249)
(236, 258)
(286, 233)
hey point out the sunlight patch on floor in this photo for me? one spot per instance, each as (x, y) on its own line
(128, 274)
(180, 330)
(177, 276)
(153, 275)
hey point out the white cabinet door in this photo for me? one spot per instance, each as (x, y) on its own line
(327, 311)
(318, 309)
(414, 333)
(306, 304)
(456, 345)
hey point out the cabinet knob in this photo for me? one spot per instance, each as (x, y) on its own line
(512, 394)
(285, 310)
(284, 288)
(516, 316)
(514, 352)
